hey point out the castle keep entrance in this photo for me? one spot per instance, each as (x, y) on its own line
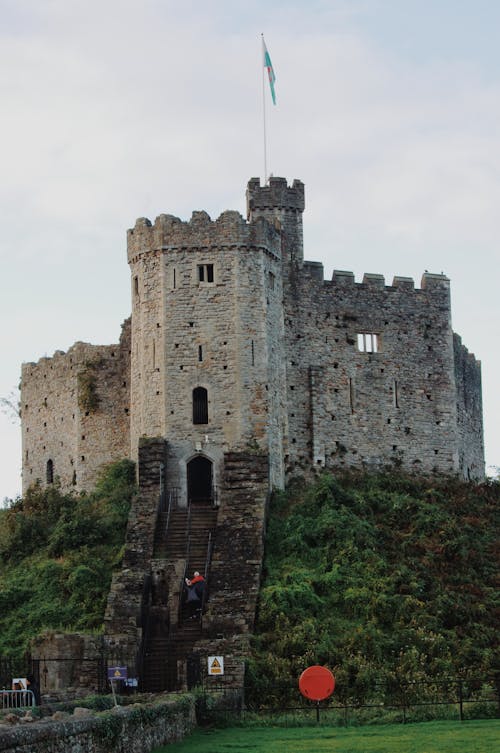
(200, 480)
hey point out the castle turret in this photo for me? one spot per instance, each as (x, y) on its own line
(283, 206)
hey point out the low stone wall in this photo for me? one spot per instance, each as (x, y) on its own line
(137, 728)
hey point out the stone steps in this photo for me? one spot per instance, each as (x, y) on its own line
(164, 651)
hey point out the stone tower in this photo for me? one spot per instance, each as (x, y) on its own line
(237, 342)
(207, 353)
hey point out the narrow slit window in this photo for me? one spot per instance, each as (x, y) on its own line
(351, 395)
(136, 285)
(253, 353)
(200, 353)
(50, 471)
(200, 405)
(368, 342)
(174, 278)
(271, 281)
(395, 394)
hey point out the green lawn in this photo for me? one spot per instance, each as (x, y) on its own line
(427, 737)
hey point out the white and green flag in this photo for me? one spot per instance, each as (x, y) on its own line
(270, 70)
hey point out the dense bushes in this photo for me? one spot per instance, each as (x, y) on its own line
(382, 578)
(57, 553)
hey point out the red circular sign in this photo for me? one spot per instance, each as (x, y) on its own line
(316, 683)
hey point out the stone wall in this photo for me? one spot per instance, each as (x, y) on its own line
(123, 610)
(236, 568)
(75, 413)
(127, 728)
(469, 411)
(360, 408)
(69, 664)
(351, 407)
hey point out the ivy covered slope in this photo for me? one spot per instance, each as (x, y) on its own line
(379, 578)
(57, 553)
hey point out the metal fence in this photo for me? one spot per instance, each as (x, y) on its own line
(463, 696)
(17, 699)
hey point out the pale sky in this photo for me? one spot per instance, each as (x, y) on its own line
(388, 110)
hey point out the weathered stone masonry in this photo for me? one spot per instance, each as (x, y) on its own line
(75, 413)
(232, 307)
(241, 367)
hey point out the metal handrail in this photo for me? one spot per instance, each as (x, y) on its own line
(169, 510)
(145, 625)
(186, 563)
(208, 560)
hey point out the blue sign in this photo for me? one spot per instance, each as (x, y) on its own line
(117, 673)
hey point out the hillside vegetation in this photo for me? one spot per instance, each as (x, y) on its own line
(57, 553)
(381, 578)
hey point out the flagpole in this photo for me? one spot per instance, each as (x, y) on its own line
(264, 110)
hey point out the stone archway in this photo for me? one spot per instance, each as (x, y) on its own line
(200, 480)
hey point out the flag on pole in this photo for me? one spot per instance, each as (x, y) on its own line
(270, 70)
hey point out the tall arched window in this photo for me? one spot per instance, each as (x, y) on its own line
(200, 405)
(50, 472)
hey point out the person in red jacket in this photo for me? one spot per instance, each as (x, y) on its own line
(195, 586)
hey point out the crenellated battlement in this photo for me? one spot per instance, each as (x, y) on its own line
(373, 281)
(200, 232)
(276, 194)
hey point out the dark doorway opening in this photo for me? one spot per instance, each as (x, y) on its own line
(200, 480)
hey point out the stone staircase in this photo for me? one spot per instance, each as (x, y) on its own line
(170, 635)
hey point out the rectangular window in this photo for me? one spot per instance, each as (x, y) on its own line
(200, 353)
(174, 278)
(368, 342)
(136, 285)
(271, 281)
(205, 272)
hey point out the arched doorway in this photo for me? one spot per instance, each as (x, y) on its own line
(200, 480)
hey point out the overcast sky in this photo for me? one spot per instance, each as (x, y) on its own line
(388, 110)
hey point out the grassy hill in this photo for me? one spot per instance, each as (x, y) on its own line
(381, 578)
(57, 553)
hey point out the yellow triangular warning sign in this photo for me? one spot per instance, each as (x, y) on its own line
(215, 664)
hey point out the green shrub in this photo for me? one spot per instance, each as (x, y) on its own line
(58, 552)
(383, 578)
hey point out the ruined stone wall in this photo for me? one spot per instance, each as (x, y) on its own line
(236, 568)
(75, 413)
(222, 333)
(123, 609)
(138, 728)
(355, 408)
(469, 412)
(70, 664)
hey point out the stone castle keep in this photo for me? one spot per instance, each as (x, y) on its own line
(235, 340)
(241, 367)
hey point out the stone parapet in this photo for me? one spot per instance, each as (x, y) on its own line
(169, 233)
